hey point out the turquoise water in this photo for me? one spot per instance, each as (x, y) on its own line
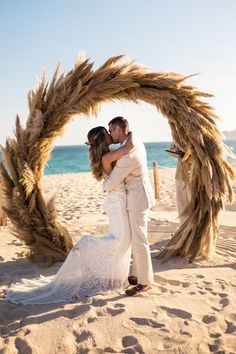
(67, 159)
(72, 159)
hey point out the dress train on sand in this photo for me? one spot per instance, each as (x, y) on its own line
(95, 265)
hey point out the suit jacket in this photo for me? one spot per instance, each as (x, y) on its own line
(131, 169)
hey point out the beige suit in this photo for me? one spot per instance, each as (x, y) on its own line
(132, 169)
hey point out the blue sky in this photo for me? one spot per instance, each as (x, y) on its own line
(186, 36)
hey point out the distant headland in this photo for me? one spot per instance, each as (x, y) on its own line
(230, 135)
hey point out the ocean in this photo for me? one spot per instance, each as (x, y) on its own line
(73, 159)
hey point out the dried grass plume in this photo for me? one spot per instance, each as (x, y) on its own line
(53, 105)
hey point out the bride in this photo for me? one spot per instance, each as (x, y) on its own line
(95, 264)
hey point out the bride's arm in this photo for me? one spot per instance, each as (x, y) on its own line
(115, 155)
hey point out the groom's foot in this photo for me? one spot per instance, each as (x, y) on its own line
(133, 280)
(137, 289)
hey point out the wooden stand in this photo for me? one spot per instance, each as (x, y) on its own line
(3, 217)
(156, 180)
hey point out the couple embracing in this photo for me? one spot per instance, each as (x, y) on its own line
(98, 265)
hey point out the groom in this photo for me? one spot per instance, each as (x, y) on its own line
(132, 169)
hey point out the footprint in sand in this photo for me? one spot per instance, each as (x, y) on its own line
(209, 319)
(115, 312)
(213, 348)
(119, 305)
(129, 341)
(177, 312)
(111, 311)
(231, 328)
(147, 322)
(207, 282)
(81, 337)
(131, 345)
(200, 276)
(85, 336)
(109, 350)
(92, 319)
(224, 302)
(214, 293)
(202, 292)
(209, 289)
(215, 335)
(185, 284)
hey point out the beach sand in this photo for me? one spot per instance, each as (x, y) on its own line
(190, 309)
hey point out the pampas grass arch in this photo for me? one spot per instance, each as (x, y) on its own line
(81, 91)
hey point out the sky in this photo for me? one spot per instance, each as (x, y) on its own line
(185, 36)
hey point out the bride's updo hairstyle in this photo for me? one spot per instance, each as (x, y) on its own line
(97, 148)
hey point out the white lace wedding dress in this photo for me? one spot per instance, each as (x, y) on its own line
(95, 265)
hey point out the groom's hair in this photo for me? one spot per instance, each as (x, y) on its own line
(121, 122)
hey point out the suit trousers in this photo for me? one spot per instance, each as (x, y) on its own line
(142, 263)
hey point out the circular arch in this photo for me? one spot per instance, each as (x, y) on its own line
(81, 91)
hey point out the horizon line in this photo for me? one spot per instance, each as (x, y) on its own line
(145, 142)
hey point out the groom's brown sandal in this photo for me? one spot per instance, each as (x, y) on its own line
(133, 280)
(137, 289)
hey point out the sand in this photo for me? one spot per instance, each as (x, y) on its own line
(190, 309)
